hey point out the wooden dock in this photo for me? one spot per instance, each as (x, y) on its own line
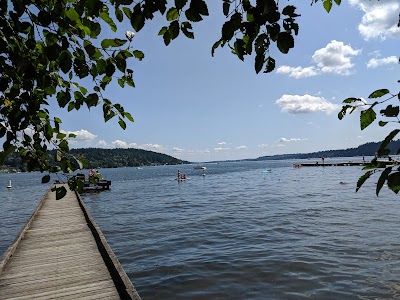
(62, 254)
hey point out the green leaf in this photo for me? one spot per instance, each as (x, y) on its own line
(270, 65)
(128, 116)
(64, 146)
(382, 123)
(174, 30)
(215, 46)
(138, 54)
(388, 139)
(393, 181)
(338, 2)
(46, 179)
(127, 12)
(137, 21)
(72, 15)
(259, 62)
(106, 18)
(225, 8)
(65, 61)
(390, 111)
(179, 4)
(167, 38)
(199, 6)
(228, 29)
(122, 123)
(285, 42)
(379, 93)
(363, 178)
(110, 69)
(327, 5)
(44, 18)
(60, 192)
(185, 26)
(290, 11)
(193, 15)
(382, 179)
(172, 14)
(163, 30)
(367, 117)
(239, 48)
(351, 100)
(119, 15)
(61, 135)
(106, 43)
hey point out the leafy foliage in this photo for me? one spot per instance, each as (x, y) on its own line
(391, 174)
(50, 48)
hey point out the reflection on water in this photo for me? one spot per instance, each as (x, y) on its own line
(240, 233)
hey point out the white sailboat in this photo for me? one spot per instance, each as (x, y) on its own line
(9, 185)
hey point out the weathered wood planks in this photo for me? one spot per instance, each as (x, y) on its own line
(62, 254)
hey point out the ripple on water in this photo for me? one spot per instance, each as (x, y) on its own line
(239, 233)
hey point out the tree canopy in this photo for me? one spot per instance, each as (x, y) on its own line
(53, 53)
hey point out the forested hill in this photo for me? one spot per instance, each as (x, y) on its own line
(108, 158)
(368, 149)
(116, 158)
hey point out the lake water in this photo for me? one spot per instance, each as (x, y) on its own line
(238, 233)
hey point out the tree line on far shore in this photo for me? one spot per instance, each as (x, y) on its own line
(105, 158)
(367, 149)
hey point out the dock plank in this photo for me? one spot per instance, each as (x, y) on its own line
(62, 254)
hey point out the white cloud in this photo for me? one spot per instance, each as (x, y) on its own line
(82, 135)
(335, 58)
(177, 149)
(151, 147)
(380, 18)
(297, 72)
(102, 144)
(377, 62)
(222, 143)
(295, 104)
(241, 147)
(120, 144)
(271, 146)
(221, 149)
(285, 140)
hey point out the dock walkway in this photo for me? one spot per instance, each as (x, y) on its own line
(62, 254)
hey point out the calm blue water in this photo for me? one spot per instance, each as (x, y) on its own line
(239, 233)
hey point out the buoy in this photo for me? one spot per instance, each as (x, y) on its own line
(9, 185)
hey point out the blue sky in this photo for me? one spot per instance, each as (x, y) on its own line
(201, 108)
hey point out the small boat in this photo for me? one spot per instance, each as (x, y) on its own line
(267, 171)
(199, 167)
(9, 185)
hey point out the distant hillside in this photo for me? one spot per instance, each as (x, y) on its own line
(108, 158)
(368, 149)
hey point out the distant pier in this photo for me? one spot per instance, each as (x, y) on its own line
(343, 164)
(62, 254)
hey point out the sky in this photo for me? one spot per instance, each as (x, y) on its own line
(200, 108)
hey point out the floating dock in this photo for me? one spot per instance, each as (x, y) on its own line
(62, 254)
